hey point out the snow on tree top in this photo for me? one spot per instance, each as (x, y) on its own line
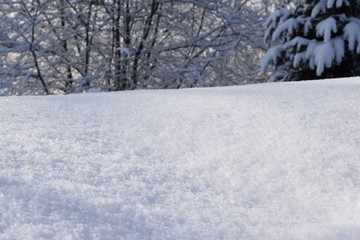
(322, 6)
(272, 56)
(351, 34)
(325, 28)
(289, 26)
(317, 40)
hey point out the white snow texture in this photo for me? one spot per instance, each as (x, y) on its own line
(273, 161)
(326, 27)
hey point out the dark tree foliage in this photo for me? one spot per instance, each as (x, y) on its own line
(314, 40)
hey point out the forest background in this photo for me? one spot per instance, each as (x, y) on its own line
(69, 46)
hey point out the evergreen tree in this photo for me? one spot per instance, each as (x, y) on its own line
(314, 40)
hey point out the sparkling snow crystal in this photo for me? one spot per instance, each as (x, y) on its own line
(259, 162)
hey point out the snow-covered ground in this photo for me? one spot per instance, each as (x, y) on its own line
(275, 161)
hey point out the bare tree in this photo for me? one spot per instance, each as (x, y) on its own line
(67, 46)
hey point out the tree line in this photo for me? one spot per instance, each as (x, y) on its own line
(68, 46)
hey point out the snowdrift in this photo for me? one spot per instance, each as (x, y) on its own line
(267, 161)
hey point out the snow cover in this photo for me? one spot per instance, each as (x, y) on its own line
(326, 27)
(272, 56)
(351, 34)
(318, 53)
(324, 56)
(321, 6)
(268, 161)
(276, 18)
(289, 27)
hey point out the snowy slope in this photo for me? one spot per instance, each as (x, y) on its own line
(258, 162)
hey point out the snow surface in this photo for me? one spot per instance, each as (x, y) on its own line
(268, 161)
